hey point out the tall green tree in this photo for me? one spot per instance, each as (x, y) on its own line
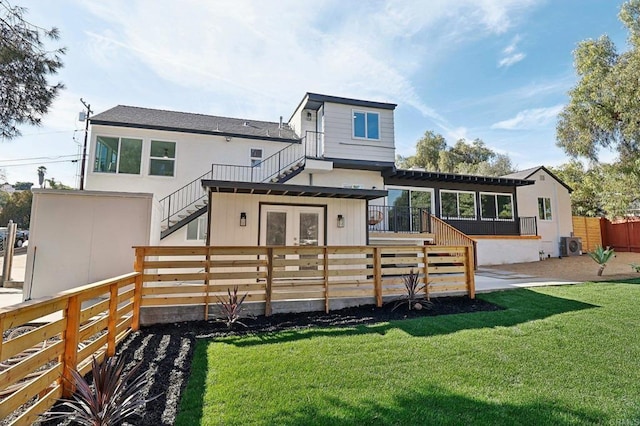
(25, 65)
(604, 105)
(587, 185)
(428, 149)
(18, 209)
(22, 186)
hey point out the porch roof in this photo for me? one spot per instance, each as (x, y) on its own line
(424, 176)
(261, 188)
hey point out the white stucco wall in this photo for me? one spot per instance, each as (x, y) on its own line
(500, 251)
(80, 237)
(226, 209)
(561, 224)
(340, 178)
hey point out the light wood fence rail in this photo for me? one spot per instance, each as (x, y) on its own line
(199, 275)
(44, 339)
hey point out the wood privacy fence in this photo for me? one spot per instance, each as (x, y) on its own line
(44, 339)
(588, 229)
(198, 275)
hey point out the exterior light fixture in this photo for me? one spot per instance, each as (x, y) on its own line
(340, 221)
(243, 219)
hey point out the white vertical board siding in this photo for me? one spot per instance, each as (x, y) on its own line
(561, 224)
(194, 156)
(341, 178)
(339, 140)
(225, 226)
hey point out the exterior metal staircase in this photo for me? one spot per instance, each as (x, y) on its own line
(190, 202)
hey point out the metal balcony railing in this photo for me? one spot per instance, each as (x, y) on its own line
(399, 219)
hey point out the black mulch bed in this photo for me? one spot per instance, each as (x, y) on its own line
(165, 350)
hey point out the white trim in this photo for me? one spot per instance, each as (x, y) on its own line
(174, 159)
(545, 207)
(513, 218)
(117, 171)
(475, 204)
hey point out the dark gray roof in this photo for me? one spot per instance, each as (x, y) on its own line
(527, 173)
(291, 190)
(315, 100)
(419, 175)
(156, 119)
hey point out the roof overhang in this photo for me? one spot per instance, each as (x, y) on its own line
(291, 190)
(423, 176)
(315, 100)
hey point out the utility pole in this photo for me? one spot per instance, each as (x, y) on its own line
(84, 147)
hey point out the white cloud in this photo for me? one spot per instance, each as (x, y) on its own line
(529, 118)
(510, 54)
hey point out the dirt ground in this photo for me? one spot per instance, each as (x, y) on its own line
(577, 268)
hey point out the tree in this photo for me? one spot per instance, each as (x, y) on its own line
(42, 170)
(604, 106)
(57, 185)
(587, 185)
(25, 64)
(18, 209)
(22, 186)
(474, 158)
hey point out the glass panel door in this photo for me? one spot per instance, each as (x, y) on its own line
(309, 226)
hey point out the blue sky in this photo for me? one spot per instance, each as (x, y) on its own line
(498, 70)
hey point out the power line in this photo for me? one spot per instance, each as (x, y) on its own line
(38, 163)
(50, 157)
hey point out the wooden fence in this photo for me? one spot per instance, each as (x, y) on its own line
(46, 338)
(588, 229)
(197, 275)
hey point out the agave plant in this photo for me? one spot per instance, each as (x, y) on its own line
(415, 295)
(601, 256)
(111, 399)
(231, 307)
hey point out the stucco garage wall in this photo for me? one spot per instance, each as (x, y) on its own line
(79, 237)
(500, 251)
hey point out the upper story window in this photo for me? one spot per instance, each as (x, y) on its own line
(162, 159)
(118, 155)
(366, 125)
(197, 229)
(496, 206)
(544, 208)
(457, 205)
(256, 157)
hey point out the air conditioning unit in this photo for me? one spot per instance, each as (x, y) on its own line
(570, 246)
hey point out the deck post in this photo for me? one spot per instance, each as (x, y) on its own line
(268, 287)
(377, 275)
(70, 356)
(471, 283)
(113, 319)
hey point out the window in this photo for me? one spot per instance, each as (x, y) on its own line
(197, 229)
(118, 155)
(256, 157)
(496, 206)
(366, 125)
(544, 208)
(457, 205)
(162, 159)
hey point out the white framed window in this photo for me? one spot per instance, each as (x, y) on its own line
(366, 125)
(118, 155)
(458, 205)
(496, 206)
(162, 158)
(544, 208)
(256, 157)
(197, 229)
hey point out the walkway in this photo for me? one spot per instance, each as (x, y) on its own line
(488, 280)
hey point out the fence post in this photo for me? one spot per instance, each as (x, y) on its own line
(268, 287)
(425, 254)
(113, 319)
(469, 271)
(138, 266)
(325, 267)
(207, 283)
(70, 356)
(377, 275)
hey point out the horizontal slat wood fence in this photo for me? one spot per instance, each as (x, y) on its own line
(199, 275)
(46, 338)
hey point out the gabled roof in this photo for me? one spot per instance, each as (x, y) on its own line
(527, 173)
(186, 122)
(419, 175)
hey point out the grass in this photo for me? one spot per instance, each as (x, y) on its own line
(557, 356)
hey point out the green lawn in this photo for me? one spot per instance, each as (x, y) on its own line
(556, 356)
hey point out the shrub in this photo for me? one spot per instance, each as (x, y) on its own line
(416, 295)
(601, 256)
(111, 399)
(231, 307)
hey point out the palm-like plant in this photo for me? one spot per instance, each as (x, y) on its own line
(113, 398)
(231, 307)
(415, 294)
(601, 256)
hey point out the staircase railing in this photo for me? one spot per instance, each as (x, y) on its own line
(183, 198)
(446, 235)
